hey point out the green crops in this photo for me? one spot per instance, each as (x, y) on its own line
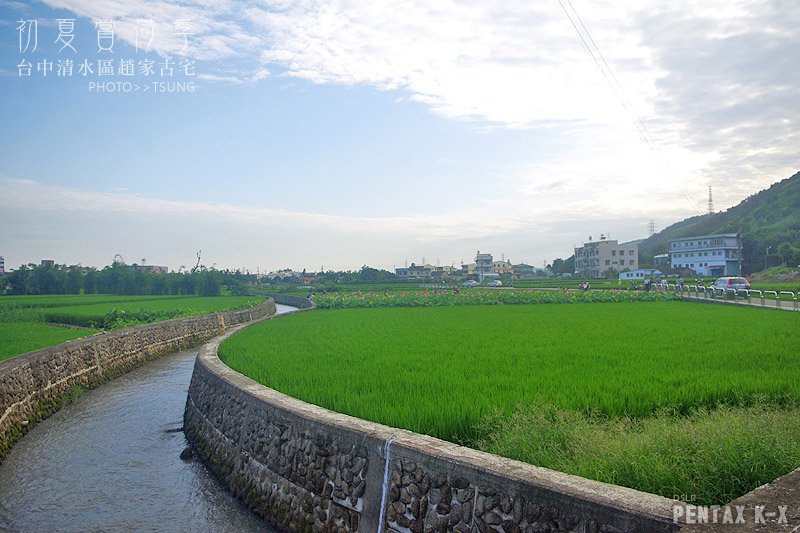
(25, 321)
(444, 370)
(21, 337)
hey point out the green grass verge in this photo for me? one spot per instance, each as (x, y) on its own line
(708, 457)
(443, 370)
(21, 337)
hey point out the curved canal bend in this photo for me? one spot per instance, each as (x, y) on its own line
(110, 462)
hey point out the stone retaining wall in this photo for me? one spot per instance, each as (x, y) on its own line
(34, 385)
(301, 302)
(305, 468)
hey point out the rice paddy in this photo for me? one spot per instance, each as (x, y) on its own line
(26, 322)
(21, 337)
(471, 374)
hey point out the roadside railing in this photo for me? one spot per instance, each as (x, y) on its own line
(779, 299)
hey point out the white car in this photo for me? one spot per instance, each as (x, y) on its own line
(470, 283)
(495, 283)
(731, 283)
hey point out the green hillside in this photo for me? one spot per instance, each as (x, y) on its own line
(769, 218)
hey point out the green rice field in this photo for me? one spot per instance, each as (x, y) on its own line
(26, 322)
(640, 376)
(21, 337)
(95, 314)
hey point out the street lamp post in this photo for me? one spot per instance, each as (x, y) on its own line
(766, 256)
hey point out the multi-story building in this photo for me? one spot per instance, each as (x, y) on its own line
(2, 265)
(708, 255)
(442, 272)
(595, 258)
(48, 263)
(483, 266)
(502, 268)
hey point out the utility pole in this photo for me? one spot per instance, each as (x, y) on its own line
(739, 238)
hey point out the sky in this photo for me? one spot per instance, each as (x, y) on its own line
(335, 134)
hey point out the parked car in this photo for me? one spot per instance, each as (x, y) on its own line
(470, 283)
(731, 283)
(495, 283)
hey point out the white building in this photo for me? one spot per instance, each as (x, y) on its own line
(640, 274)
(708, 255)
(484, 264)
(595, 258)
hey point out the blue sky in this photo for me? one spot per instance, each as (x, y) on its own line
(337, 134)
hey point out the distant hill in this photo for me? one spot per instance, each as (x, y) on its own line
(769, 218)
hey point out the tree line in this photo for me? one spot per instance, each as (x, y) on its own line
(122, 279)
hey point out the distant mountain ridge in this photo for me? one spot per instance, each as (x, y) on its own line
(770, 218)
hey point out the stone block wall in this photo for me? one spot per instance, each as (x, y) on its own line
(304, 468)
(301, 302)
(34, 385)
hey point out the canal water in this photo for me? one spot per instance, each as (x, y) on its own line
(110, 462)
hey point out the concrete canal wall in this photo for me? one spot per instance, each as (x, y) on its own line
(34, 385)
(304, 468)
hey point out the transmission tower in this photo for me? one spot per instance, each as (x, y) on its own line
(710, 201)
(651, 228)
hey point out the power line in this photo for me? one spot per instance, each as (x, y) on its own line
(619, 92)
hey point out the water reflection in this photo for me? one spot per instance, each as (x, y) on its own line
(110, 462)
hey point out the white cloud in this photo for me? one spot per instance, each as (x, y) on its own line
(30, 195)
(714, 82)
(690, 70)
(514, 66)
(77, 225)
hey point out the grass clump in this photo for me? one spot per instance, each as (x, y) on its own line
(709, 456)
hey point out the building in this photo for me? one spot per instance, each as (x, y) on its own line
(443, 272)
(414, 271)
(150, 269)
(502, 268)
(282, 274)
(48, 263)
(2, 266)
(595, 258)
(523, 271)
(661, 260)
(484, 264)
(708, 255)
(640, 274)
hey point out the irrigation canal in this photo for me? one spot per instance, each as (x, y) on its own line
(110, 462)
